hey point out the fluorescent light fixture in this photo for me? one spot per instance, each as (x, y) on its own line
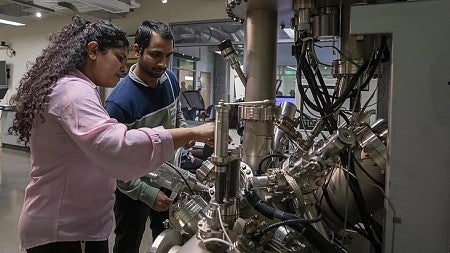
(289, 32)
(10, 20)
(290, 67)
(113, 6)
(164, 1)
(188, 78)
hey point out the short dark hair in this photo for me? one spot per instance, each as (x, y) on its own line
(144, 33)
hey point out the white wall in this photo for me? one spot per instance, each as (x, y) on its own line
(29, 40)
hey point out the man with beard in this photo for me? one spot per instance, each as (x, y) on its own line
(148, 96)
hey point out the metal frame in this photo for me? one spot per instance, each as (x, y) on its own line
(417, 216)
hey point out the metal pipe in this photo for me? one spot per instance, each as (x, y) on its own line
(261, 45)
(220, 156)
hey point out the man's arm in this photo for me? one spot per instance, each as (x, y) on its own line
(180, 121)
(139, 190)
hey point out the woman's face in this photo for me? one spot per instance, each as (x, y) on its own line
(106, 68)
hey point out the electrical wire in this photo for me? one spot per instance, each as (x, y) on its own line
(393, 212)
(181, 175)
(222, 226)
(340, 53)
(370, 226)
(218, 240)
(228, 241)
(259, 168)
(288, 222)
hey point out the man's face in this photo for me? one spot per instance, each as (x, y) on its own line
(155, 58)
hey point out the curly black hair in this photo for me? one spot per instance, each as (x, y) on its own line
(66, 51)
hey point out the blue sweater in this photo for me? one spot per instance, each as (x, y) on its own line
(140, 106)
(137, 105)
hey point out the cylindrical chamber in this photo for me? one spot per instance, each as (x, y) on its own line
(261, 34)
(260, 58)
(258, 138)
(221, 130)
(370, 173)
(189, 212)
(354, 46)
(342, 138)
(341, 197)
(326, 23)
(220, 156)
(220, 185)
(233, 173)
(287, 110)
(302, 15)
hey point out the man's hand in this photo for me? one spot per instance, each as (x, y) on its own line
(162, 202)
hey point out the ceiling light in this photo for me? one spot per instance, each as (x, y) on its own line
(113, 6)
(164, 1)
(32, 5)
(289, 32)
(39, 14)
(10, 20)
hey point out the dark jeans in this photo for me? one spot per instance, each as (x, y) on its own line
(131, 217)
(71, 247)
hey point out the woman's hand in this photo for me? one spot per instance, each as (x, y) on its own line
(205, 133)
(183, 137)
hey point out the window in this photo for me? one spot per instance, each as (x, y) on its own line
(184, 68)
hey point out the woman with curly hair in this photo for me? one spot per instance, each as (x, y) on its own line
(77, 150)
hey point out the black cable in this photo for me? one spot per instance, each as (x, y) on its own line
(307, 230)
(366, 219)
(259, 168)
(368, 65)
(306, 71)
(339, 216)
(320, 105)
(315, 66)
(376, 61)
(349, 91)
(328, 201)
(288, 222)
(181, 175)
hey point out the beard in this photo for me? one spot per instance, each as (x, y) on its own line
(154, 73)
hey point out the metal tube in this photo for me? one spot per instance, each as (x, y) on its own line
(260, 56)
(220, 156)
(221, 128)
(261, 31)
(287, 110)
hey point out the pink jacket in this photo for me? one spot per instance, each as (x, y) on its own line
(76, 156)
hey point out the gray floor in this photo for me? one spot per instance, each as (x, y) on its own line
(14, 176)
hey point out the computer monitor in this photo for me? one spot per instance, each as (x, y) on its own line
(194, 99)
(3, 75)
(3, 79)
(281, 99)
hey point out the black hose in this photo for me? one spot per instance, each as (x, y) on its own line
(307, 230)
(259, 168)
(367, 220)
(182, 177)
(290, 222)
